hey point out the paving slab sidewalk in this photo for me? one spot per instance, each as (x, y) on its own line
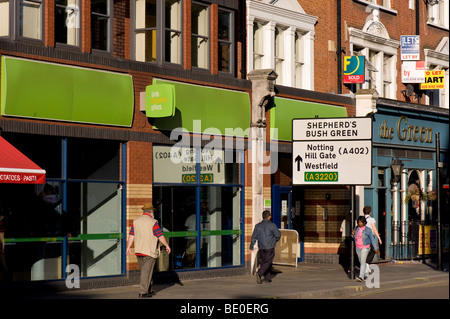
(306, 281)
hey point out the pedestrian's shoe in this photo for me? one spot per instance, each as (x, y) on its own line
(146, 295)
(359, 279)
(258, 279)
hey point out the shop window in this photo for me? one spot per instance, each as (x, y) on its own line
(87, 160)
(203, 233)
(93, 222)
(46, 151)
(67, 22)
(200, 35)
(220, 226)
(200, 217)
(30, 19)
(101, 17)
(225, 41)
(64, 221)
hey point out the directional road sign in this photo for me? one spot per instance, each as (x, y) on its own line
(332, 151)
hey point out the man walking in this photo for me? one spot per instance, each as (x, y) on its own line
(145, 234)
(267, 235)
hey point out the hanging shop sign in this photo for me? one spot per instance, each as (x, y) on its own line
(354, 69)
(410, 47)
(413, 72)
(332, 151)
(434, 80)
(180, 165)
(159, 100)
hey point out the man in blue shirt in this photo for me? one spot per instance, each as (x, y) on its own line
(267, 235)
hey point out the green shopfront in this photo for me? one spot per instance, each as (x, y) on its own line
(74, 222)
(198, 180)
(405, 206)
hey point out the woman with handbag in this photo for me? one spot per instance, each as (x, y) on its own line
(363, 237)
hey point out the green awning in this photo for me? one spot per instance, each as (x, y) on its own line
(202, 109)
(285, 110)
(41, 90)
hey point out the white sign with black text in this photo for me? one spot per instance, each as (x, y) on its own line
(335, 151)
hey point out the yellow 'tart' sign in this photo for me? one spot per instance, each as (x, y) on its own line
(434, 80)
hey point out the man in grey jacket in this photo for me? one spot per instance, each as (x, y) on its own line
(267, 235)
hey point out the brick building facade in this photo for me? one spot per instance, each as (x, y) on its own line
(203, 49)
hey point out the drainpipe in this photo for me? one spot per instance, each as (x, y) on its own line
(418, 32)
(338, 53)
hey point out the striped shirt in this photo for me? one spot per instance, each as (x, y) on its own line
(156, 229)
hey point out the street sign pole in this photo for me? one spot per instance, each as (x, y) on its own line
(333, 151)
(352, 226)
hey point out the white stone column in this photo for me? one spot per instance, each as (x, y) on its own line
(262, 91)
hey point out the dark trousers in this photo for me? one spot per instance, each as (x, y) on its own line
(267, 256)
(146, 265)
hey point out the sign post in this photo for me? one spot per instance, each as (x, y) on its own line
(333, 151)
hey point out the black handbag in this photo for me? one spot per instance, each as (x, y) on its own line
(371, 254)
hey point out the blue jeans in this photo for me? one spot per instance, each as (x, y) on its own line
(362, 256)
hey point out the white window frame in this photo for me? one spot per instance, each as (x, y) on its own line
(258, 45)
(374, 40)
(438, 14)
(439, 59)
(288, 16)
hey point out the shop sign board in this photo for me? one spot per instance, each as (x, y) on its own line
(413, 72)
(159, 100)
(179, 165)
(333, 151)
(434, 80)
(354, 69)
(410, 47)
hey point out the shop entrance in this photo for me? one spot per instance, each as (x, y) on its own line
(282, 206)
(286, 212)
(381, 227)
